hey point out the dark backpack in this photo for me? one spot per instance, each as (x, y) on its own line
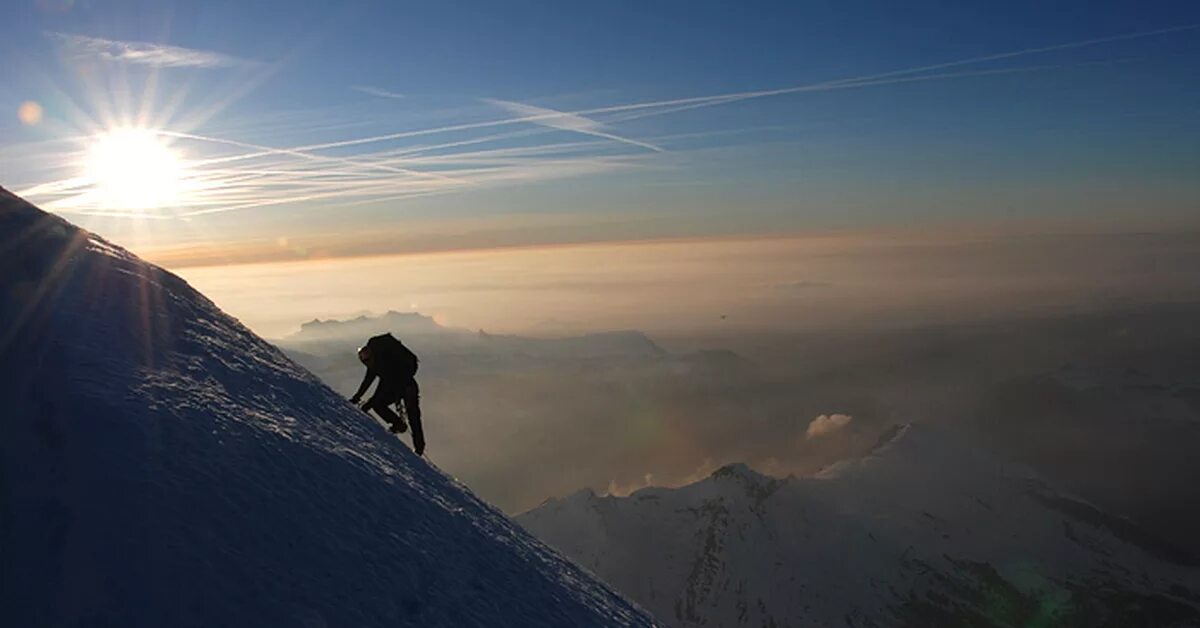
(391, 355)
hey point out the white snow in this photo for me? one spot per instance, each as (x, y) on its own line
(921, 531)
(160, 465)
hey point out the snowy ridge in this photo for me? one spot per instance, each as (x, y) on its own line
(920, 531)
(160, 465)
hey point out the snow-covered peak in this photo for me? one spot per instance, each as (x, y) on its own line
(585, 495)
(745, 479)
(738, 471)
(160, 465)
(921, 530)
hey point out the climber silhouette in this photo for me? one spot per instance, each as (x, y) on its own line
(395, 365)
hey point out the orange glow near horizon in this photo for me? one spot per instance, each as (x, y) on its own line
(717, 283)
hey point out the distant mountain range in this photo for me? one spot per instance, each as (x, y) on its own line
(424, 333)
(520, 418)
(399, 323)
(922, 531)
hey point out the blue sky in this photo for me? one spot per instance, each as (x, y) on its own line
(385, 126)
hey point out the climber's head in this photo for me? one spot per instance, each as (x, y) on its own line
(364, 355)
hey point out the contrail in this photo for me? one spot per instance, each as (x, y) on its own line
(718, 99)
(1029, 51)
(297, 152)
(273, 201)
(848, 84)
(566, 122)
(359, 176)
(874, 79)
(377, 91)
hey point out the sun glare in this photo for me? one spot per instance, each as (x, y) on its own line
(133, 169)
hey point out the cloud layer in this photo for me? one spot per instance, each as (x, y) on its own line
(141, 52)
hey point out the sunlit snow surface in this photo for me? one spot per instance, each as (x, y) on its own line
(163, 466)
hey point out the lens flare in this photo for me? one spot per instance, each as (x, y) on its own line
(133, 169)
(29, 113)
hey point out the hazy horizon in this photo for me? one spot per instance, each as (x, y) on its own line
(827, 280)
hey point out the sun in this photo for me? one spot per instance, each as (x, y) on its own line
(133, 169)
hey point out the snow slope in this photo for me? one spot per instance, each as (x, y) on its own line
(160, 465)
(921, 532)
